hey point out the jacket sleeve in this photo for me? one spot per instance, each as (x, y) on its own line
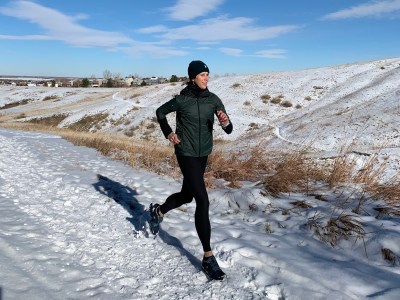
(162, 113)
(228, 129)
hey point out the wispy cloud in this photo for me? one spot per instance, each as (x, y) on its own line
(144, 49)
(186, 10)
(57, 26)
(272, 53)
(60, 27)
(371, 9)
(231, 51)
(223, 28)
(33, 37)
(153, 29)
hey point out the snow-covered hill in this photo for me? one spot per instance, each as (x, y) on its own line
(331, 104)
(326, 108)
(74, 224)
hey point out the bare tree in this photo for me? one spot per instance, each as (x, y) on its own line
(117, 78)
(107, 74)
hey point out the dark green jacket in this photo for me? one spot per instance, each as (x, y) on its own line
(195, 111)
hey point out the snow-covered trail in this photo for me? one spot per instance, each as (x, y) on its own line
(62, 237)
(74, 225)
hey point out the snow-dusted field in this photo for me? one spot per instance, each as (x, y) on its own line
(74, 224)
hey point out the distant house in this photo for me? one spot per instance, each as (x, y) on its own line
(163, 80)
(128, 81)
(75, 83)
(151, 80)
(94, 83)
(136, 81)
(52, 84)
(154, 80)
(133, 81)
(121, 82)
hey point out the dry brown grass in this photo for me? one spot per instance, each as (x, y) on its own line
(247, 103)
(15, 104)
(51, 97)
(388, 192)
(300, 204)
(295, 171)
(265, 98)
(336, 229)
(341, 170)
(53, 120)
(344, 168)
(388, 211)
(276, 100)
(236, 167)
(286, 103)
(140, 154)
(88, 122)
(283, 172)
(161, 160)
(292, 172)
(390, 256)
(236, 85)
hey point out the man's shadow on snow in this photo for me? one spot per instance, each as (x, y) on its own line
(126, 197)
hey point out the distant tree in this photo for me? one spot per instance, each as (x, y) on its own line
(107, 74)
(173, 78)
(85, 82)
(110, 83)
(53, 83)
(117, 79)
(143, 83)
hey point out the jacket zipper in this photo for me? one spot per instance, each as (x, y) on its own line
(198, 111)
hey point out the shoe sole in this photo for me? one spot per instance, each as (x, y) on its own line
(154, 231)
(210, 278)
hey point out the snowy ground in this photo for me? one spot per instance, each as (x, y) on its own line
(66, 233)
(74, 224)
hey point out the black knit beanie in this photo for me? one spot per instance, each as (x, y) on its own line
(197, 67)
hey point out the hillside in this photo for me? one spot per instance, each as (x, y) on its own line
(325, 109)
(75, 223)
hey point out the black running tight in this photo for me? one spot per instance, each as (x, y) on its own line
(193, 186)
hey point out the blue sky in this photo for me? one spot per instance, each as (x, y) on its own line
(160, 38)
